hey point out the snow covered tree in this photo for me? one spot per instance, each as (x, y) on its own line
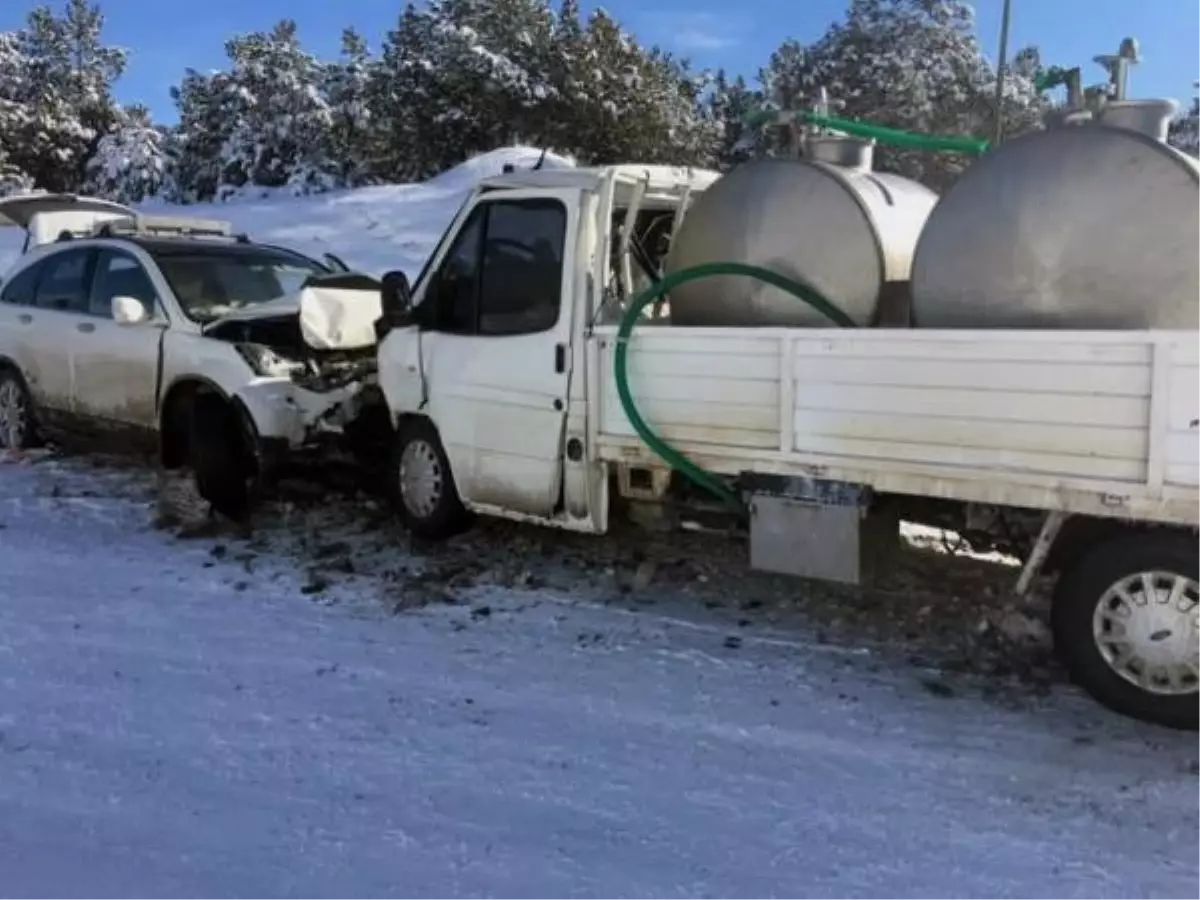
(633, 103)
(911, 64)
(346, 86)
(207, 114)
(12, 179)
(130, 163)
(280, 120)
(57, 103)
(403, 94)
(1184, 133)
(731, 105)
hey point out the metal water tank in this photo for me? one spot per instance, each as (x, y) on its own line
(1089, 225)
(826, 220)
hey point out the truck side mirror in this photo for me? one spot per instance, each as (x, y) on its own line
(395, 304)
(395, 297)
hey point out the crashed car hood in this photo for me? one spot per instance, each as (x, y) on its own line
(336, 312)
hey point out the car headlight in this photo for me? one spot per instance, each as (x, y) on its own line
(266, 362)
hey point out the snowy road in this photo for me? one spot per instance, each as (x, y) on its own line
(171, 725)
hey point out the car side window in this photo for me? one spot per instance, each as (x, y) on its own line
(120, 275)
(64, 282)
(22, 287)
(521, 285)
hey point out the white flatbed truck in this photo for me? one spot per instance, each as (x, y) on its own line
(1079, 448)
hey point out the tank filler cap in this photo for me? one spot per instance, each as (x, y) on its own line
(1150, 117)
(840, 150)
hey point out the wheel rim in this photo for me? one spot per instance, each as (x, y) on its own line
(1147, 628)
(421, 481)
(12, 415)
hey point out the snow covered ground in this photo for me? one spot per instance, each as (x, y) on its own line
(323, 710)
(194, 717)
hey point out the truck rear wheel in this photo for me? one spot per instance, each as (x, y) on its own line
(422, 486)
(1126, 622)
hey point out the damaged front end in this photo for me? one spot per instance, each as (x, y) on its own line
(320, 343)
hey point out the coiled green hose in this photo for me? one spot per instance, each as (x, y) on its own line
(668, 454)
(665, 451)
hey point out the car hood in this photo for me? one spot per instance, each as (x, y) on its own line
(337, 312)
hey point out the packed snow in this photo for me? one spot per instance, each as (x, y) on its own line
(209, 717)
(191, 718)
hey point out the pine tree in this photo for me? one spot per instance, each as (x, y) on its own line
(731, 106)
(910, 64)
(346, 87)
(65, 92)
(1184, 133)
(280, 119)
(404, 98)
(130, 163)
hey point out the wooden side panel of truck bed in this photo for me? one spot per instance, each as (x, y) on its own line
(1099, 422)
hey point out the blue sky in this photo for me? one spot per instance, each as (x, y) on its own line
(166, 36)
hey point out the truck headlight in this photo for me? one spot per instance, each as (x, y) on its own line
(266, 362)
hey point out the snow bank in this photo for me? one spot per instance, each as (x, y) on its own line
(374, 229)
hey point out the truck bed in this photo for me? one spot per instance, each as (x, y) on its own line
(1100, 423)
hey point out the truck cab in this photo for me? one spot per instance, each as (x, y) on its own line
(485, 368)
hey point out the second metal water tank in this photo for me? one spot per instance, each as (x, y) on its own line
(827, 220)
(1085, 226)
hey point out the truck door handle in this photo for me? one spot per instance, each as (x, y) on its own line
(560, 358)
(24, 318)
(86, 327)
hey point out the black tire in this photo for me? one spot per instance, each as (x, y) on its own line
(441, 515)
(1079, 593)
(20, 432)
(219, 456)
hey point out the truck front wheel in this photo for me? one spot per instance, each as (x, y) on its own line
(422, 485)
(1126, 622)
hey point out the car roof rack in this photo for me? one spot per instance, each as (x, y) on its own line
(167, 226)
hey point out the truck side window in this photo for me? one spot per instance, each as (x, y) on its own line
(22, 287)
(521, 287)
(456, 290)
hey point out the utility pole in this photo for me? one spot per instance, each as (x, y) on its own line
(1005, 17)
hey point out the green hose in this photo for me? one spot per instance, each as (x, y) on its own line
(897, 137)
(665, 451)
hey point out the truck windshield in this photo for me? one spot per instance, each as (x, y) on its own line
(210, 282)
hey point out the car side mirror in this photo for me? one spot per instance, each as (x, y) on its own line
(129, 311)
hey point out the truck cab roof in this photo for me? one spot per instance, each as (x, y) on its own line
(667, 181)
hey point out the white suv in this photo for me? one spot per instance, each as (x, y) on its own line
(222, 354)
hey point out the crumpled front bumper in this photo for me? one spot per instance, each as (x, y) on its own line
(287, 415)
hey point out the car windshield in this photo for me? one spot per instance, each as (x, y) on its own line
(213, 282)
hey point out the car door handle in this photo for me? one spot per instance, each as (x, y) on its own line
(560, 358)
(86, 327)
(25, 318)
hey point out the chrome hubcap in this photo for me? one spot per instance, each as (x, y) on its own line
(12, 415)
(1147, 628)
(421, 478)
